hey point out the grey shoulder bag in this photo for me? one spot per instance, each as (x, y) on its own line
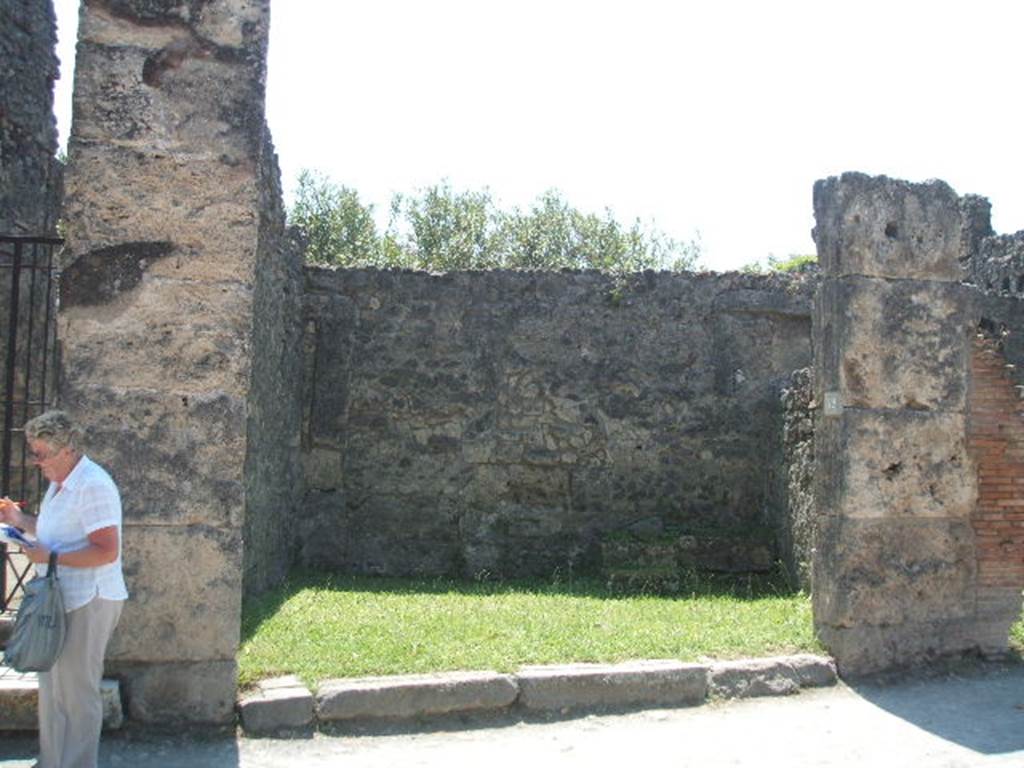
(40, 626)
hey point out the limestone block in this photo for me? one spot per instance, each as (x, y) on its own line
(863, 650)
(403, 696)
(202, 692)
(185, 595)
(779, 676)
(883, 227)
(895, 464)
(177, 457)
(901, 344)
(283, 702)
(656, 682)
(207, 209)
(164, 334)
(881, 572)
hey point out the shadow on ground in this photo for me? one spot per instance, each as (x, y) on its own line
(976, 705)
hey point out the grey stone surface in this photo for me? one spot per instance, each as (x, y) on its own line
(896, 464)
(903, 344)
(156, 693)
(928, 574)
(283, 702)
(797, 519)
(612, 685)
(887, 228)
(404, 696)
(504, 422)
(778, 676)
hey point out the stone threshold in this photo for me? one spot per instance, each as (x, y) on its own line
(19, 700)
(285, 703)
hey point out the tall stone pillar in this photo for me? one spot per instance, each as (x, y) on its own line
(895, 570)
(165, 228)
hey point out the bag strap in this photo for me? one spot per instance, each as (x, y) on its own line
(51, 570)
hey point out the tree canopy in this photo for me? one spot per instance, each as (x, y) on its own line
(442, 229)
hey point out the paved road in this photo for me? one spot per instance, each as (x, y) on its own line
(963, 719)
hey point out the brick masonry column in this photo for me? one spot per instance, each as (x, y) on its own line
(996, 441)
(163, 214)
(895, 573)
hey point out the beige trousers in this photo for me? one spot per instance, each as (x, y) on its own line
(70, 707)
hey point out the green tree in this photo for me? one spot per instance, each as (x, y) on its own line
(442, 229)
(338, 228)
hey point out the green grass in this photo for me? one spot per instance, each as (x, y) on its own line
(321, 626)
(1017, 635)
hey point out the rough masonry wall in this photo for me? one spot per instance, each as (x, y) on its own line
(895, 573)
(503, 422)
(29, 173)
(165, 217)
(798, 514)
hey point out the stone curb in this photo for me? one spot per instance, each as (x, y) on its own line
(284, 703)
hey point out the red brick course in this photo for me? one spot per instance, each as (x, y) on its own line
(995, 439)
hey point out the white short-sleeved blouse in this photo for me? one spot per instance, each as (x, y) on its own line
(87, 501)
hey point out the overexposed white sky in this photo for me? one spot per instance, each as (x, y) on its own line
(714, 117)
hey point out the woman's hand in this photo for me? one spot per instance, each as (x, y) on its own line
(10, 512)
(37, 554)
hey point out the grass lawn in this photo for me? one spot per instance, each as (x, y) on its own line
(321, 626)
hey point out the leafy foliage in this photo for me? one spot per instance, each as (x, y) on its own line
(442, 229)
(792, 263)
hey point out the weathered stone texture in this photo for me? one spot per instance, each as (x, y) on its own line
(896, 464)
(896, 572)
(185, 601)
(798, 512)
(202, 692)
(902, 344)
(282, 702)
(656, 682)
(887, 228)
(30, 177)
(171, 208)
(403, 696)
(504, 422)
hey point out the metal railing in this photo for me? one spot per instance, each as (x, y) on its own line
(28, 275)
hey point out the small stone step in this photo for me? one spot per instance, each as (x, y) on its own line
(19, 699)
(283, 702)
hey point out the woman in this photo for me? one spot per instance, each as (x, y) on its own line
(80, 519)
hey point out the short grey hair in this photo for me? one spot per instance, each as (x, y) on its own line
(56, 429)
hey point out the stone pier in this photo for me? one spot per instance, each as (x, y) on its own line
(169, 216)
(896, 574)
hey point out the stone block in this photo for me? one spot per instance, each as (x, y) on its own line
(283, 702)
(779, 676)
(881, 227)
(19, 701)
(657, 683)
(185, 595)
(895, 464)
(177, 456)
(863, 650)
(901, 344)
(202, 692)
(404, 696)
(883, 572)
(139, 338)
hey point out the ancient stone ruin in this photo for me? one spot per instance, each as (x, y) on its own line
(860, 423)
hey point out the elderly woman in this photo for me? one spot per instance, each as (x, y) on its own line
(80, 519)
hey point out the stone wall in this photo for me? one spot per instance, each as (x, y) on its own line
(29, 174)
(167, 219)
(503, 423)
(797, 524)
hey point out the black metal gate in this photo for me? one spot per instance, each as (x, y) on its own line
(28, 327)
